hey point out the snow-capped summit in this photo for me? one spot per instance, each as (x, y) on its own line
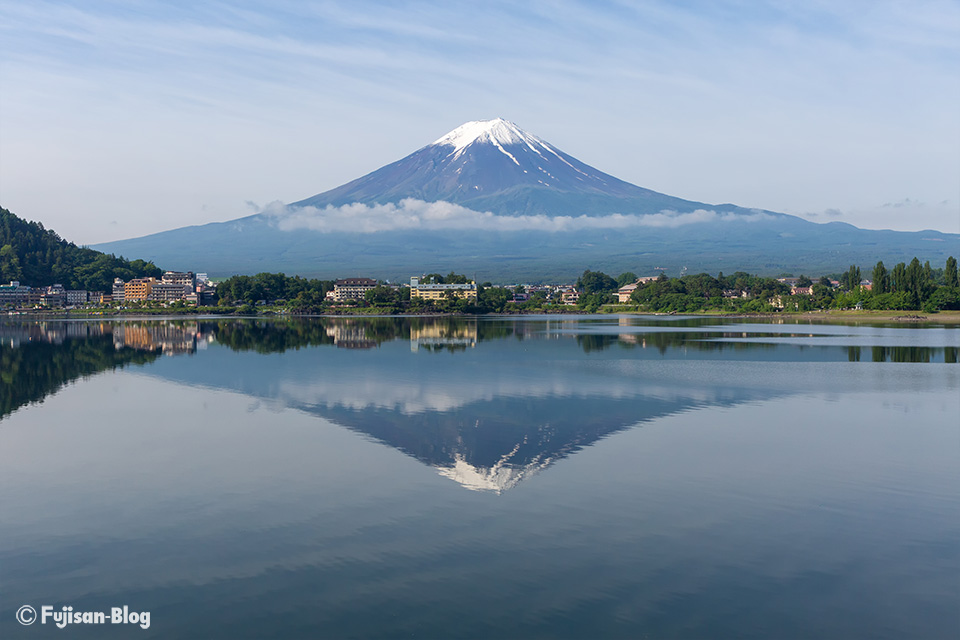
(496, 132)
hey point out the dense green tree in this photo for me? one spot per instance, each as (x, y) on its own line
(702, 285)
(382, 296)
(881, 279)
(898, 278)
(628, 277)
(596, 282)
(950, 275)
(804, 281)
(942, 298)
(9, 264)
(591, 302)
(851, 279)
(455, 278)
(823, 295)
(271, 287)
(493, 299)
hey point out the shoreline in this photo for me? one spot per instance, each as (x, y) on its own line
(949, 317)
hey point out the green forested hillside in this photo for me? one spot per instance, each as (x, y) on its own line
(37, 257)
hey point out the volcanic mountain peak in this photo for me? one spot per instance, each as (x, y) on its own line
(497, 132)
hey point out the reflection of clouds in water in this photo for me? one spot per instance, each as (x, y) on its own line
(697, 383)
(443, 393)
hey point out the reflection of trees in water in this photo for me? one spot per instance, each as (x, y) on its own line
(664, 341)
(911, 354)
(31, 371)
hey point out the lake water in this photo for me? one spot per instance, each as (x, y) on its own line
(554, 477)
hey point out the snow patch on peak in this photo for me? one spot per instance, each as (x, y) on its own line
(497, 132)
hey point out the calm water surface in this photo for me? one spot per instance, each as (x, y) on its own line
(482, 478)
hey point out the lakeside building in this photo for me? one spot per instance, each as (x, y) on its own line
(352, 288)
(14, 294)
(182, 278)
(168, 291)
(431, 291)
(566, 294)
(173, 286)
(138, 289)
(118, 292)
(18, 295)
(76, 297)
(624, 292)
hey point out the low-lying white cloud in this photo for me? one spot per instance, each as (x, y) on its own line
(413, 214)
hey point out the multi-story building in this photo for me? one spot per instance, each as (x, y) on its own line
(33, 297)
(54, 296)
(185, 278)
(430, 291)
(624, 292)
(14, 294)
(168, 291)
(76, 297)
(352, 288)
(206, 293)
(118, 290)
(138, 289)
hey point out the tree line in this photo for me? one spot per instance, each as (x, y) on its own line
(908, 286)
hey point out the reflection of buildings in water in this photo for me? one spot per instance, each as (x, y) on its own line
(168, 338)
(444, 334)
(350, 335)
(14, 334)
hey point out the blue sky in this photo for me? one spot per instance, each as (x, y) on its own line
(121, 119)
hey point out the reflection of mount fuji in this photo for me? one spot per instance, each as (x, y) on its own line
(487, 402)
(491, 445)
(487, 417)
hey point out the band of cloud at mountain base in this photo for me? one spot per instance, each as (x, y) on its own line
(411, 213)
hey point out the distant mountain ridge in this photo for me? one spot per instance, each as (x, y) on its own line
(491, 199)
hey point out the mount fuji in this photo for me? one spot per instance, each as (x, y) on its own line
(495, 166)
(491, 199)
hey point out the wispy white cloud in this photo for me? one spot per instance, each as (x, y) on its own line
(412, 214)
